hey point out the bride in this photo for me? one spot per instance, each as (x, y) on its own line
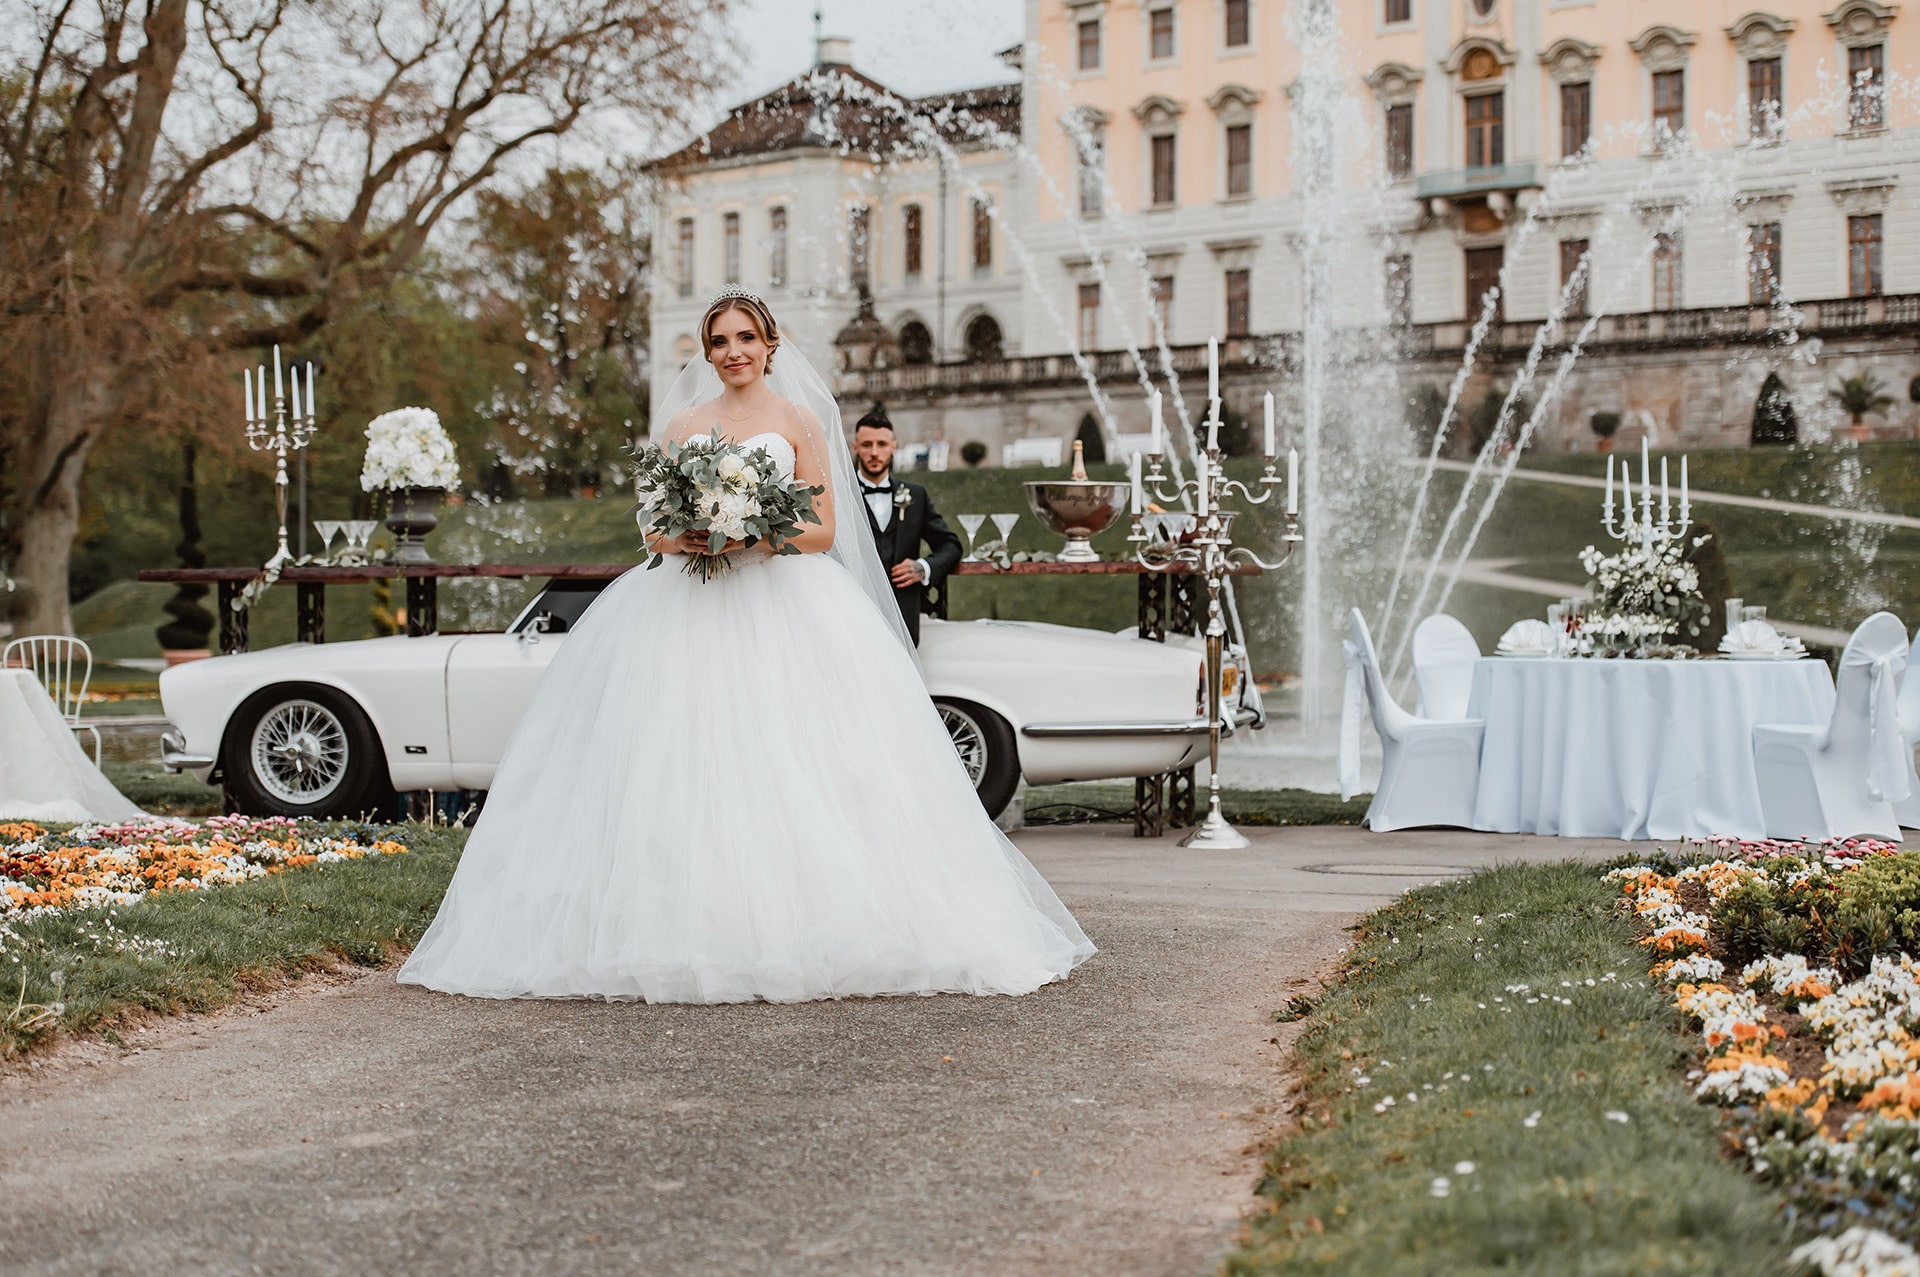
(738, 789)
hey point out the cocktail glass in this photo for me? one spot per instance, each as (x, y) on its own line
(328, 530)
(970, 523)
(1005, 523)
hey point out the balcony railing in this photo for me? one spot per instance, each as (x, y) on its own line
(1451, 183)
(1703, 326)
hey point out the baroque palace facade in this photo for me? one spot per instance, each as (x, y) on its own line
(1743, 184)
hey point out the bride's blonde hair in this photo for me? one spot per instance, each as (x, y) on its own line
(757, 314)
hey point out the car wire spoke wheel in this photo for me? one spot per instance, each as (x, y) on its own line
(299, 751)
(969, 741)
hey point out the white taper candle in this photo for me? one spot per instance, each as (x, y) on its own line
(1664, 509)
(296, 393)
(1159, 428)
(246, 393)
(1607, 509)
(277, 392)
(1138, 497)
(309, 391)
(1293, 481)
(1271, 449)
(1683, 487)
(1213, 368)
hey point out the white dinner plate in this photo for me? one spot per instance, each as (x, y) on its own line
(1762, 656)
(1523, 653)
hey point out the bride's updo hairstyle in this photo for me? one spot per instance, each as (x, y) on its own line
(750, 305)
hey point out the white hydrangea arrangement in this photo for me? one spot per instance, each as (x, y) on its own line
(407, 448)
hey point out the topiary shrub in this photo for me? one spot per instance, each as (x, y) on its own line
(973, 452)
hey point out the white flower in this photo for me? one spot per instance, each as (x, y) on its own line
(407, 448)
(730, 468)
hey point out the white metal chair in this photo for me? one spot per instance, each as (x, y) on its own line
(1443, 657)
(1842, 780)
(54, 659)
(1908, 809)
(1430, 768)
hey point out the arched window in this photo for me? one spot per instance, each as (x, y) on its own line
(984, 341)
(916, 343)
(1774, 417)
(1092, 440)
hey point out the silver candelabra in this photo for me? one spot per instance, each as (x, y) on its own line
(1208, 551)
(1643, 526)
(285, 430)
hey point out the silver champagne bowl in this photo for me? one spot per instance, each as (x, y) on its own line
(1077, 509)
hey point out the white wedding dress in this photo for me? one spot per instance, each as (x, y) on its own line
(739, 790)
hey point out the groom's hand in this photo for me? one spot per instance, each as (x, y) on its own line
(905, 573)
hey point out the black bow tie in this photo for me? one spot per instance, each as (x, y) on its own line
(877, 487)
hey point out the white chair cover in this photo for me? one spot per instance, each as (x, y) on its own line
(1908, 809)
(1443, 655)
(1879, 648)
(1429, 770)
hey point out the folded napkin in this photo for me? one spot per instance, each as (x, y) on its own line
(1529, 636)
(1753, 636)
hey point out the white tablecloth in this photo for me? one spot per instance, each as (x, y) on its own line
(1632, 749)
(44, 774)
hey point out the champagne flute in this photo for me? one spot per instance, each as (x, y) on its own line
(970, 523)
(1005, 523)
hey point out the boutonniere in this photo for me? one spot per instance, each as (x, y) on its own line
(902, 497)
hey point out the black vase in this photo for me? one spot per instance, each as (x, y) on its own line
(410, 517)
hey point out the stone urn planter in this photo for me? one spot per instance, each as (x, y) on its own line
(410, 516)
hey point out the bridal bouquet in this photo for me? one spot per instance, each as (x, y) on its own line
(1643, 595)
(706, 484)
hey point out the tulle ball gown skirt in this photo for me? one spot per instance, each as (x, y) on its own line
(738, 790)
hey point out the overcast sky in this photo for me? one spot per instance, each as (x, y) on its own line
(912, 46)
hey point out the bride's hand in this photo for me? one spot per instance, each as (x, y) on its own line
(696, 543)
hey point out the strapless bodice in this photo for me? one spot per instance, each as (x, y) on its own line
(776, 446)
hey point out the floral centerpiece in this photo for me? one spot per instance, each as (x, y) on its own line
(410, 457)
(705, 484)
(1643, 595)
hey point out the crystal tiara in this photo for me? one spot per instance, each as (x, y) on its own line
(733, 292)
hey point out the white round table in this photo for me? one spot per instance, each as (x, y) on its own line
(1632, 749)
(44, 774)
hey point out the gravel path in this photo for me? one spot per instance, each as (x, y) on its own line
(1108, 1124)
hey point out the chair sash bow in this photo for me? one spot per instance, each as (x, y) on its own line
(1888, 763)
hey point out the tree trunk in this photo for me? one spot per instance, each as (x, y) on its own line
(55, 459)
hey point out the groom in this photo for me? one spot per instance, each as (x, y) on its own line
(902, 518)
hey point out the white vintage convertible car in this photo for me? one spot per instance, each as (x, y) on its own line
(335, 729)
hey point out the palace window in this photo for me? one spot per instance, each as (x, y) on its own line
(683, 258)
(1867, 86)
(1160, 34)
(1398, 11)
(1766, 97)
(1088, 44)
(912, 232)
(1239, 159)
(1863, 255)
(1669, 107)
(1486, 130)
(1239, 303)
(1400, 141)
(1572, 251)
(1089, 315)
(730, 241)
(1163, 171)
(1666, 271)
(1163, 307)
(777, 247)
(859, 234)
(1093, 177)
(1483, 282)
(1763, 263)
(1239, 26)
(982, 233)
(1399, 290)
(1576, 118)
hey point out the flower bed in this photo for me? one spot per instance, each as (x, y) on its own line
(91, 866)
(1796, 963)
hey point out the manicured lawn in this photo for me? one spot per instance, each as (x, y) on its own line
(153, 788)
(195, 950)
(1510, 1021)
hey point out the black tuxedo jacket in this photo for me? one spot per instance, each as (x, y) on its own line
(913, 524)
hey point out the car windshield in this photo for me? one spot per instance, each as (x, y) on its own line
(563, 602)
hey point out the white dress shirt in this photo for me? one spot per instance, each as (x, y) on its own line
(880, 500)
